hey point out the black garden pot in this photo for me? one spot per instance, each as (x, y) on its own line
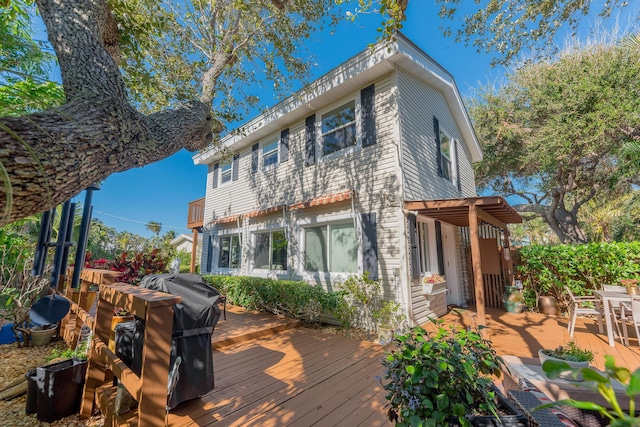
(515, 419)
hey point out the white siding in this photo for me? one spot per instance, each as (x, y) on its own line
(418, 103)
(370, 171)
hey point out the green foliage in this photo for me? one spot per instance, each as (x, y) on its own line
(435, 376)
(604, 386)
(554, 134)
(363, 297)
(545, 270)
(388, 315)
(570, 352)
(506, 27)
(287, 297)
(137, 266)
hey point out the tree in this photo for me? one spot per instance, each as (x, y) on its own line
(52, 155)
(507, 27)
(553, 134)
(154, 227)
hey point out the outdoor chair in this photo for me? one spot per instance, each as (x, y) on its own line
(584, 305)
(614, 308)
(630, 311)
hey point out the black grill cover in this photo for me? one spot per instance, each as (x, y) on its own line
(193, 322)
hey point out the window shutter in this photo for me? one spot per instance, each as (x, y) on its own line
(367, 112)
(235, 167)
(216, 168)
(310, 143)
(208, 251)
(439, 248)
(254, 157)
(369, 245)
(413, 246)
(455, 152)
(436, 131)
(284, 145)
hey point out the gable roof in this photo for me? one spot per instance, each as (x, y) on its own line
(346, 78)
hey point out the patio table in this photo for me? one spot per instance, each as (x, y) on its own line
(616, 298)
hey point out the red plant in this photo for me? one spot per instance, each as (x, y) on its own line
(89, 262)
(140, 265)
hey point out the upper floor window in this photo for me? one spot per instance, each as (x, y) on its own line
(230, 252)
(225, 172)
(271, 251)
(270, 154)
(339, 128)
(445, 155)
(331, 248)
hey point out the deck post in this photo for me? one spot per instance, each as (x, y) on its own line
(477, 265)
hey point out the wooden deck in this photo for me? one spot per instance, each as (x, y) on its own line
(268, 372)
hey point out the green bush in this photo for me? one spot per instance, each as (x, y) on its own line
(545, 270)
(287, 297)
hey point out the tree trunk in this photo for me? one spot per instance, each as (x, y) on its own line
(49, 157)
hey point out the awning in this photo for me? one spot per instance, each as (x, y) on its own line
(492, 209)
(323, 200)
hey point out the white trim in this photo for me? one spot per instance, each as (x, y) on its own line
(220, 181)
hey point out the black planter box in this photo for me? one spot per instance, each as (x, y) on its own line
(517, 419)
(55, 391)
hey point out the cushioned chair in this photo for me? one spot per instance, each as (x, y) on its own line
(584, 305)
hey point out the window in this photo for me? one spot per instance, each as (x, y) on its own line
(445, 155)
(270, 154)
(225, 173)
(230, 252)
(331, 248)
(339, 128)
(423, 235)
(271, 251)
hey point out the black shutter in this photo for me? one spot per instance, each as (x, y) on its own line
(368, 115)
(216, 168)
(284, 145)
(413, 247)
(369, 245)
(235, 166)
(455, 152)
(439, 248)
(208, 251)
(436, 131)
(310, 142)
(254, 157)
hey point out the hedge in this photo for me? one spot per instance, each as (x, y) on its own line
(545, 270)
(287, 297)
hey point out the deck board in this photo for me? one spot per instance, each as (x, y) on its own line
(302, 377)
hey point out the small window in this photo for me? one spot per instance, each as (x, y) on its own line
(445, 155)
(339, 128)
(271, 251)
(270, 154)
(331, 248)
(230, 252)
(225, 173)
(423, 235)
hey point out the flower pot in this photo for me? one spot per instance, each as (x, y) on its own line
(514, 306)
(385, 335)
(40, 337)
(566, 375)
(548, 305)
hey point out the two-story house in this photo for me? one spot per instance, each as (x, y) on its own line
(356, 172)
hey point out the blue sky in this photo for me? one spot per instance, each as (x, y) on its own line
(161, 191)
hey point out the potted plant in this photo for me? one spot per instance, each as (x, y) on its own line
(119, 315)
(445, 378)
(41, 335)
(631, 285)
(388, 318)
(430, 282)
(514, 301)
(572, 355)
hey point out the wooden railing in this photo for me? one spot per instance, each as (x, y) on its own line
(195, 218)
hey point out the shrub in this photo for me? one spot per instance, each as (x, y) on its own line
(435, 376)
(139, 265)
(287, 297)
(364, 298)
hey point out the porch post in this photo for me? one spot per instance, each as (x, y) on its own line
(477, 267)
(509, 259)
(194, 250)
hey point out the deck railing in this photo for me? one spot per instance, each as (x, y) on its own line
(195, 218)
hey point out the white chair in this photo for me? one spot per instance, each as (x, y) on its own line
(614, 308)
(630, 311)
(584, 305)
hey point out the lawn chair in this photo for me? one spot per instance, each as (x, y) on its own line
(584, 305)
(630, 311)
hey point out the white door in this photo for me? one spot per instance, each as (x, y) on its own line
(450, 255)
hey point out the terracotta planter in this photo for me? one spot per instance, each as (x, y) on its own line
(40, 337)
(548, 305)
(566, 375)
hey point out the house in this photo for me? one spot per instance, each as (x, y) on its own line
(184, 243)
(368, 168)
